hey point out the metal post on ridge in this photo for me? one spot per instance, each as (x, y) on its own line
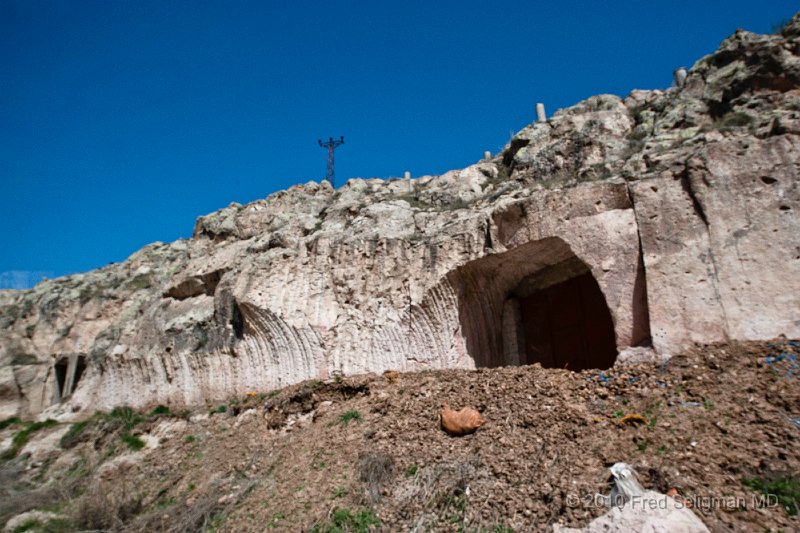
(331, 145)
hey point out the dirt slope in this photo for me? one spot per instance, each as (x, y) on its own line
(365, 449)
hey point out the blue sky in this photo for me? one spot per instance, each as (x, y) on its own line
(122, 121)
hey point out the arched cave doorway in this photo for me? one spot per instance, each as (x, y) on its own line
(538, 303)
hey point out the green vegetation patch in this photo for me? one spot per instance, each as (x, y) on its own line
(22, 359)
(345, 520)
(733, 120)
(21, 437)
(55, 525)
(349, 416)
(120, 421)
(133, 442)
(785, 487)
(127, 417)
(9, 422)
(160, 410)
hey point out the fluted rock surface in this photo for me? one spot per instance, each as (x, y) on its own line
(678, 207)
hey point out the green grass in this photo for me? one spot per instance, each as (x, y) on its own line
(275, 520)
(786, 488)
(29, 525)
(21, 437)
(73, 435)
(160, 410)
(127, 416)
(349, 416)
(345, 520)
(55, 525)
(9, 422)
(411, 471)
(133, 442)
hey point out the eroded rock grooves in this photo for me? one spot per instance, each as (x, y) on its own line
(672, 212)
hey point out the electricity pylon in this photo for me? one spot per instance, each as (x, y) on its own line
(331, 145)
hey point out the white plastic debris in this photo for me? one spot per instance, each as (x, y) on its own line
(635, 509)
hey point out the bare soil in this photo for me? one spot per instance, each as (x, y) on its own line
(715, 424)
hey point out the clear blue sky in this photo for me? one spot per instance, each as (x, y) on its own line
(121, 121)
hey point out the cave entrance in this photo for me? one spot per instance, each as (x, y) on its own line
(538, 303)
(567, 324)
(68, 370)
(60, 369)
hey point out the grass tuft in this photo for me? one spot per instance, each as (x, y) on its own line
(349, 416)
(344, 520)
(786, 488)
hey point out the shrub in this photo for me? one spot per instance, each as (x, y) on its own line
(107, 506)
(778, 27)
(75, 434)
(160, 410)
(127, 417)
(375, 470)
(133, 442)
(733, 120)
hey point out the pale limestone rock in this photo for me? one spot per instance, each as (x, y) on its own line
(18, 521)
(681, 204)
(44, 444)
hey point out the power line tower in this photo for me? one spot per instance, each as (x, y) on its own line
(331, 145)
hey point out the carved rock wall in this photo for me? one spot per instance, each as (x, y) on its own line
(682, 204)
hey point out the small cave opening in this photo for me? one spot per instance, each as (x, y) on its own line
(60, 369)
(538, 303)
(80, 367)
(237, 321)
(68, 372)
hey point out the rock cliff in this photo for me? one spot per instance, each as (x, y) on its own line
(617, 228)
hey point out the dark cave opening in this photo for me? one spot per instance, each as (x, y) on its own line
(567, 325)
(538, 303)
(60, 369)
(68, 371)
(80, 366)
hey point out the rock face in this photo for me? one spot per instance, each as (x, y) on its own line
(660, 220)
